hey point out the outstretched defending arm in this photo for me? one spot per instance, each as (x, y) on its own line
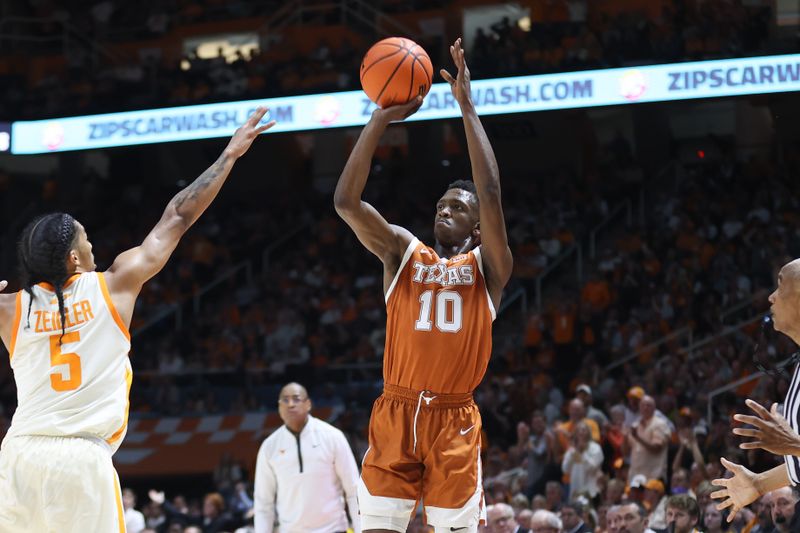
(386, 241)
(133, 268)
(494, 240)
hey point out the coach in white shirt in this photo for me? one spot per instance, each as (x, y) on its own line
(304, 472)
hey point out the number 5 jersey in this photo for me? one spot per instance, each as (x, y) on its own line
(76, 384)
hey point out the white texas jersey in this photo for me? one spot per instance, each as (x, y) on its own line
(76, 384)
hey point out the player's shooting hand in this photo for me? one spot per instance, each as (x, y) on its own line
(771, 431)
(398, 112)
(738, 491)
(460, 84)
(243, 137)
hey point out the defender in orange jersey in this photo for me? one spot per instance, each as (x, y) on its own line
(424, 434)
(67, 336)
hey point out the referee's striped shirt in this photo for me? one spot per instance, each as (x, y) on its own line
(791, 411)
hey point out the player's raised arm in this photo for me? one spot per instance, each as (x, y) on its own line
(385, 240)
(133, 268)
(494, 240)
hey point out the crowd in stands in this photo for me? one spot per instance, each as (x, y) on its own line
(565, 36)
(555, 440)
(570, 436)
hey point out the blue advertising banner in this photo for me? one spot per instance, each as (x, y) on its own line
(524, 94)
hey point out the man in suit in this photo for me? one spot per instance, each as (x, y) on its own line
(572, 518)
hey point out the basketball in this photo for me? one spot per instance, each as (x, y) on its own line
(395, 71)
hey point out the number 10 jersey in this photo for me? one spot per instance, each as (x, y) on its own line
(438, 323)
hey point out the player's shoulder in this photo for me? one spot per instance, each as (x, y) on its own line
(404, 238)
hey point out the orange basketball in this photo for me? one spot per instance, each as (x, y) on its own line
(395, 70)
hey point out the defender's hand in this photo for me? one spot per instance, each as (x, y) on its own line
(247, 132)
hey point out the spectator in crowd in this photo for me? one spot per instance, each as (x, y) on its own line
(240, 501)
(630, 517)
(584, 393)
(306, 489)
(714, 520)
(564, 430)
(613, 519)
(524, 516)
(213, 518)
(541, 454)
(134, 520)
(761, 522)
(683, 514)
(647, 441)
(571, 515)
(554, 495)
(655, 502)
(544, 521)
(784, 508)
(500, 519)
(582, 463)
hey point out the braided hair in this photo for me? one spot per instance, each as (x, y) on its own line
(42, 252)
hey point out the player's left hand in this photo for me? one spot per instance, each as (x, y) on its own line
(460, 85)
(772, 431)
(243, 137)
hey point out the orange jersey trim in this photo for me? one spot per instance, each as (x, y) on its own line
(118, 497)
(49, 287)
(15, 327)
(107, 296)
(118, 433)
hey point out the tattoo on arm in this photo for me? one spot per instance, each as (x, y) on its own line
(192, 191)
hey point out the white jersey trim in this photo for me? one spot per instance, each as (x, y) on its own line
(411, 247)
(477, 252)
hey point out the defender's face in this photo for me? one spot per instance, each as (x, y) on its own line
(83, 249)
(456, 217)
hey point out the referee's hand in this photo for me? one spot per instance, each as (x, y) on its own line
(770, 432)
(738, 491)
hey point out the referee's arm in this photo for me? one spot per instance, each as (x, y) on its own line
(264, 493)
(347, 471)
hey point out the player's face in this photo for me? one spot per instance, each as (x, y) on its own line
(83, 249)
(456, 217)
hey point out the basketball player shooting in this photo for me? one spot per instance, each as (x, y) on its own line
(424, 432)
(68, 341)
